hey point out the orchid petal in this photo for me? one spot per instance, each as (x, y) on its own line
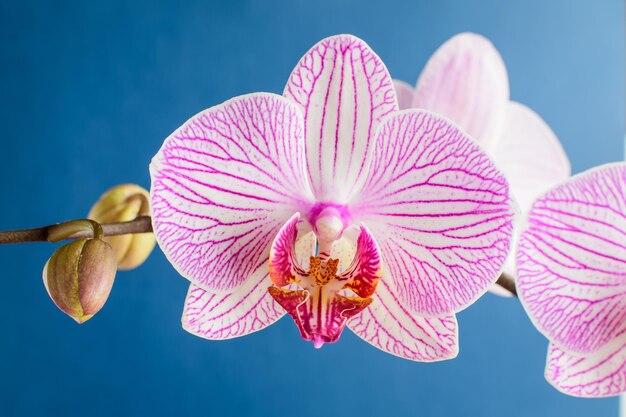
(387, 325)
(247, 309)
(439, 209)
(224, 183)
(530, 155)
(404, 92)
(466, 81)
(597, 374)
(571, 260)
(344, 91)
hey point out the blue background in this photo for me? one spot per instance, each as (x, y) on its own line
(90, 89)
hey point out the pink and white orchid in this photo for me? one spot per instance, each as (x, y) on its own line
(329, 204)
(571, 266)
(466, 81)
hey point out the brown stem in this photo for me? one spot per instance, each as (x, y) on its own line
(142, 224)
(508, 283)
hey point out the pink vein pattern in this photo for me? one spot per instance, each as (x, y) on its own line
(247, 309)
(224, 183)
(392, 328)
(571, 260)
(466, 80)
(440, 211)
(598, 374)
(344, 91)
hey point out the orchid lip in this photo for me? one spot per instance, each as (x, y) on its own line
(320, 307)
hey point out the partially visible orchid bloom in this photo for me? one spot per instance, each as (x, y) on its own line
(329, 204)
(571, 266)
(466, 81)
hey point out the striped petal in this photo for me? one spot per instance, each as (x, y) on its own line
(404, 92)
(530, 155)
(466, 81)
(224, 183)
(571, 260)
(344, 91)
(597, 374)
(440, 211)
(390, 327)
(247, 309)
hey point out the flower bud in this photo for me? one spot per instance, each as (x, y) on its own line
(79, 277)
(120, 204)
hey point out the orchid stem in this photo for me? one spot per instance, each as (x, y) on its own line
(507, 282)
(142, 224)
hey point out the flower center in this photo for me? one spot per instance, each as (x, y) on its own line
(322, 304)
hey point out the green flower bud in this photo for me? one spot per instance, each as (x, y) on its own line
(120, 204)
(79, 277)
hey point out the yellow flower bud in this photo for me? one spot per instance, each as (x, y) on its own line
(120, 204)
(79, 277)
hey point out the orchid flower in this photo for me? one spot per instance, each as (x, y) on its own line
(330, 205)
(466, 81)
(571, 266)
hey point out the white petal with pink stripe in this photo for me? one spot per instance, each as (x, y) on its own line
(344, 91)
(440, 210)
(224, 183)
(466, 80)
(389, 326)
(571, 260)
(247, 309)
(597, 374)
